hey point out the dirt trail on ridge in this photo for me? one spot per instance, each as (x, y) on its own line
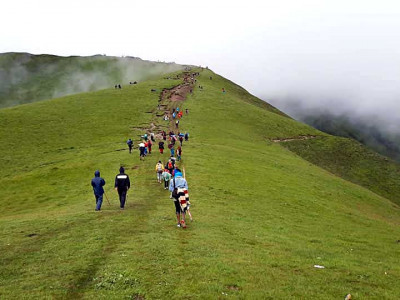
(295, 138)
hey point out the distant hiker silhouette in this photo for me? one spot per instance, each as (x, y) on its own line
(130, 145)
(159, 171)
(142, 150)
(166, 176)
(161, 147)
(179, 153)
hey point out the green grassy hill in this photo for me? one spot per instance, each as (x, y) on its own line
(26, 78)
(263, 215)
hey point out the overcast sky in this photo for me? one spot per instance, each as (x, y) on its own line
(340, 54)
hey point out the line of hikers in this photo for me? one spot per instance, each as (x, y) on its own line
(145, 146)
(169, 174)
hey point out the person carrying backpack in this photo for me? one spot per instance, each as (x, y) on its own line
(142, 150)
(122, 185)
(178, 153)
(161, 147)
(177, 186)
(130, 145)
(166, 176)
(186, 136)
(172, 151)
(159, 170)
(170, 166)
(97, 184)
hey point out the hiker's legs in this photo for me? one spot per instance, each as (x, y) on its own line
(130, 149)
(165, 184)
(183, 214)
(178, 211)
(122, 198)
(183, 221)
(190, 215)
(99, 201)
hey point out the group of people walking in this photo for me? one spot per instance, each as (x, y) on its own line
(169, 174)
(175, 182)
(122, 185)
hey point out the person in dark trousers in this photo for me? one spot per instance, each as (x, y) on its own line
(130, 145)
(141, 150)
(166, 176)
(161, 147)
(178, 153)
(97, 184)
(122, 185)
(179, 184)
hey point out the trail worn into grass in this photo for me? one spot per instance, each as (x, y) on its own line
(294, 138)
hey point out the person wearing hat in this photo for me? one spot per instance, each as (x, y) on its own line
(97, 184)
(178, 186)
(142, 148)
(122, 185)
(166, 175)
(130, 145)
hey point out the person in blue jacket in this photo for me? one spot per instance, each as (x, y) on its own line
(97, 184)
(180, 184)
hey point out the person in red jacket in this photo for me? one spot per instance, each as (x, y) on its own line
(149, 144)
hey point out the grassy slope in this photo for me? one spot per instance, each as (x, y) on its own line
(352, 161)
(26, 78)
(263, 216)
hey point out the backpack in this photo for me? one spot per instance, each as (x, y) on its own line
(175, 194)
(170, 165)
